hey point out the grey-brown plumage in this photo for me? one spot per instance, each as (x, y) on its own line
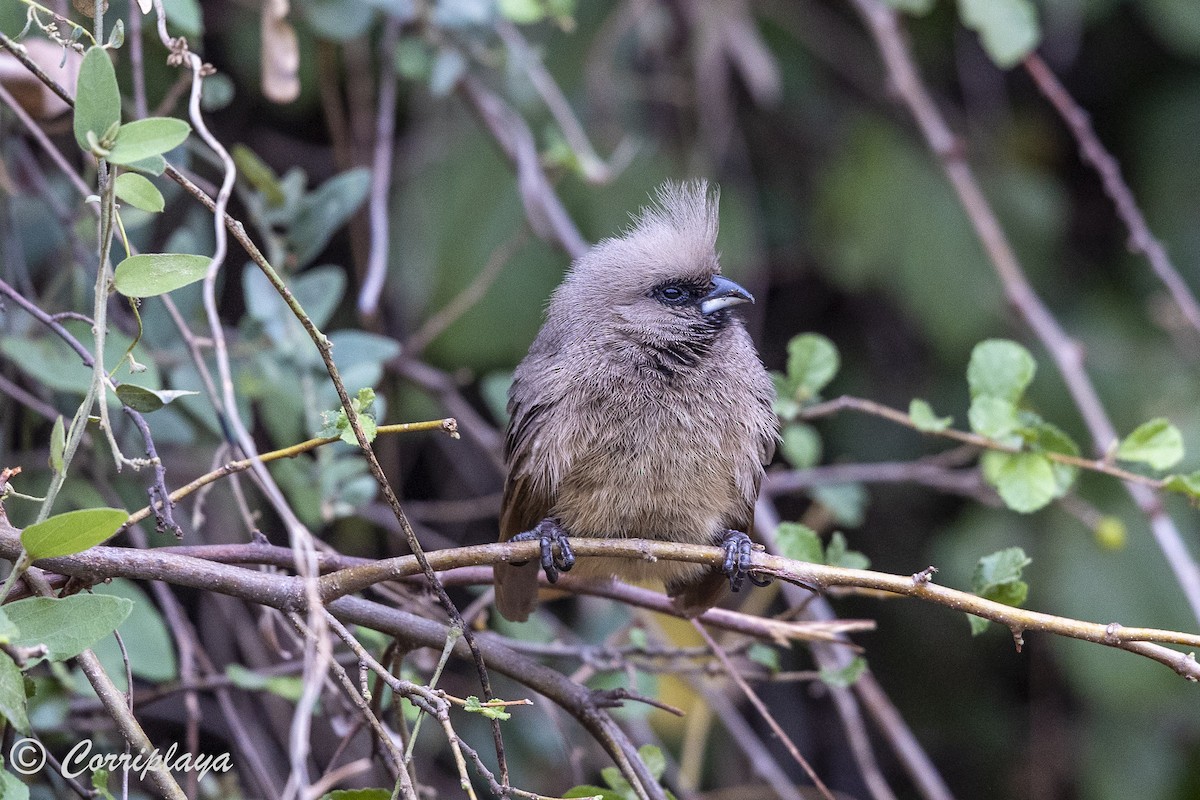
(642, 409)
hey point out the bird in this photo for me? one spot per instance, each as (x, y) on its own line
(642, 410)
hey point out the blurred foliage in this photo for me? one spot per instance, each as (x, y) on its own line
(833, 212)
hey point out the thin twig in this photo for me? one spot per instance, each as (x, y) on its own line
(974, 439)
(448, 425)
(545, 212)
(594, 168)
(762, 710)
(381, 171)
(1093, 152)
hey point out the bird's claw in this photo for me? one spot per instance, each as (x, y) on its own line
(549, 533)
(738, 556)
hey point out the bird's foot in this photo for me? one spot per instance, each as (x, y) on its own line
(549, 533)
(738, 555)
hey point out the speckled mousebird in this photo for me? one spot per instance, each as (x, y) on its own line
(642, 410)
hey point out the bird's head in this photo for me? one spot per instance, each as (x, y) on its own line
(658, 285)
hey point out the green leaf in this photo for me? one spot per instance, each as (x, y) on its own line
(324, 211)
(765, 655)
(1000, 368)
(978, 624)
(289, 687)
(588, 791)
(922, 416)
(358, 794)
(72, 532)
(999, 570)
(8, 631)
(1025, 481)
(339, 20)
(185, 16)
(523, 12)
(11, 787)
(100, 784)
(799, 543)
(58, 445)
(116, 37)
(154, 165)
(613, 777)
(12, 696)
(97, 98)
(997, 577)
(139, 192)
(812, 363)
(1157, 443)
(491, 712)
(48, 360)
(151, 274)
(1185, 484)
(845, 676)
(785, 407)
(145, 138)
(800, 444)
(146, 400)
(413, 59)
(67, 625)
(258, 174)
(838, 554)
(339, 424)
(1008, 29)
(652, 757)
(1050, 438)
(915, 7)
(216, 93)
(995, 418)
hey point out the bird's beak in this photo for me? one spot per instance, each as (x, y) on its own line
(725, 293)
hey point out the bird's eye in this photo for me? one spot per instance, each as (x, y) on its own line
(672, 295)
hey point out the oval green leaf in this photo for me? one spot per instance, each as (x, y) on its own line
(139, 192)
(1008, 29)
(67, 625)
(1157, 443)
(923, 418)
(1026, 481)
(150, 274)
(144, 400)
(1000, 368)
(58, 444)
(72, 532)
(147, 137)
(154, 165)
(812, 363)
(97, 98)
(12, 699)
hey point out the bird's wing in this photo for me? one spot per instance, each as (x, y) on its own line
(526, 502)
